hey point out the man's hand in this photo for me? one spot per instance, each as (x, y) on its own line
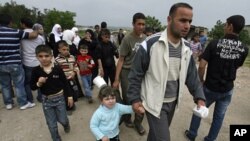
(116, 84)
(200, 103)
(138, 108)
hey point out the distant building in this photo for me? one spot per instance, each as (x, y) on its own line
(196, 29)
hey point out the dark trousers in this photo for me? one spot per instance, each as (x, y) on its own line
(159, 127)
(124, 85)
(94, 74)
(109, 74)
(116, 138)
(75, 92)
(27, 72)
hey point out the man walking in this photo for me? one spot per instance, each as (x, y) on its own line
(222, 57)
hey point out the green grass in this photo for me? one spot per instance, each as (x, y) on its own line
(247, 61)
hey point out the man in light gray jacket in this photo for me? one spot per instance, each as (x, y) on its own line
(162, 66)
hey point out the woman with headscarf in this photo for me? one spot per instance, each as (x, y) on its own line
(67, 36)
(38, 27)
(77, 37)
(55, 36)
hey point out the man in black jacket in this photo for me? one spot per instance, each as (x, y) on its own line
(223, 57)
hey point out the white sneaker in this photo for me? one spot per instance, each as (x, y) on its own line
(9, 106)
(28, 105)
(32, 104)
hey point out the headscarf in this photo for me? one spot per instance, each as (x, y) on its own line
(68, 36)
(74, 29)
(38, 27)
(55, 32)
(77, 38)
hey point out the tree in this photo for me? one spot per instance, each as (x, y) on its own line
(52, 17)
(153, 23)
(48, 18)
(218, 32)
(17, 12)
(244, 36)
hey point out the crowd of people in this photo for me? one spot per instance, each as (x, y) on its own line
(152, 69)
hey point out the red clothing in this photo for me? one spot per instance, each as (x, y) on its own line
(85, 63)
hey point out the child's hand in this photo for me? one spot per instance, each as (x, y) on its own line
(105, 138)
(138, 108)
(101, 72)
(71, 76)
(70, 102)
(90, 66)
(41, 81)
(141, 109)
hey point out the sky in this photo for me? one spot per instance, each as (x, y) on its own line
(119, 13)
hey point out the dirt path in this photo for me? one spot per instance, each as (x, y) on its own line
(29, 125)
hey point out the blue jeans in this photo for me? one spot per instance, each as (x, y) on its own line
(222, 100)
(28, 71)
(86, 81)
(55, 111)
(15, 73)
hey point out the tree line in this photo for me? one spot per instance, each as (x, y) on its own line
(218, 32)
(49, 17)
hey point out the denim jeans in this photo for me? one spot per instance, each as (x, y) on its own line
(222, 100)
(15, 73)
(86, 81)
(28, 71)
(55, 111)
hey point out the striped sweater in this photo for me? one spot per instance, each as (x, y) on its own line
(10, 45)
(68, 64)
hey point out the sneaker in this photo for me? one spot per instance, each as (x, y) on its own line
(129, 124)
(28, 105)
(39, 100)
(9, 106)
(32, 104)
(67, 128)
(69, 113)
(188, 136)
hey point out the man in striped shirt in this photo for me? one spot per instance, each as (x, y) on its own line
(10, 62)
